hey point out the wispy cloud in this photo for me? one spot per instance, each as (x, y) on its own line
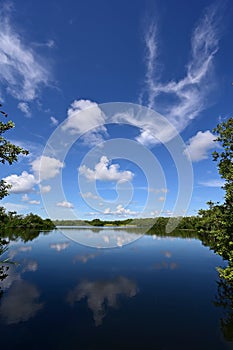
(212, 183)
(54, 121)
(24, 107)
(188, 95)
(15, 207)
(22, 72)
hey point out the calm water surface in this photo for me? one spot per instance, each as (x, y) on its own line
(154, 293)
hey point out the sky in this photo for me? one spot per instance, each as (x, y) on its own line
(116, 102)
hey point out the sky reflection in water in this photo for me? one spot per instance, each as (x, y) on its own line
(156, 290)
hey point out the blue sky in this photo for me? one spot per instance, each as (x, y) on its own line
(62, 61)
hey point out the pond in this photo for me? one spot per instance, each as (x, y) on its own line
(154, 293)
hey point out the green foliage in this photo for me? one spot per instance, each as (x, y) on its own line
(12, 222)
(8, 151)
(216, 225)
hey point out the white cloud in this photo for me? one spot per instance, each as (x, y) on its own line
(199, 145)
(186, 98)
(54, 121)
(154, 213)
(212, 183)
(102, 294)
(120, 210)
(89, 195)
(107, 211)
(94, 137)
(21, 72)
(24, 107)
(46, 167)
(25, 198)
(82, 116)
(14, 207)
(103, 171)
(33, 201)
(45, 189)
(59, 246)
(21, 183)
(64, 204)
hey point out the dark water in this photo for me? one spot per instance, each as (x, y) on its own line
(155, 293)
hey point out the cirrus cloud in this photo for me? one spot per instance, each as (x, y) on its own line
(22, 72)
(187, 97)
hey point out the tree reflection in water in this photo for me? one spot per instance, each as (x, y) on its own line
(3, 267)
(103, 294)
(224, 300)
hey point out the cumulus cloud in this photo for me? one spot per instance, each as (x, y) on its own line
(45, 189)
(64, 204)
(46, 167)
(89, 195)
(25, 198)
(82, 116)
(103, 171)
(199, 145)
(22, 73)
(102, 294)
(185, 98)
(43, 168)
(21, 183)
(120, 210)
(24, 107)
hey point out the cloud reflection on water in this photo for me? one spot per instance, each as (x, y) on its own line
(101, 295)
(21, 303)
